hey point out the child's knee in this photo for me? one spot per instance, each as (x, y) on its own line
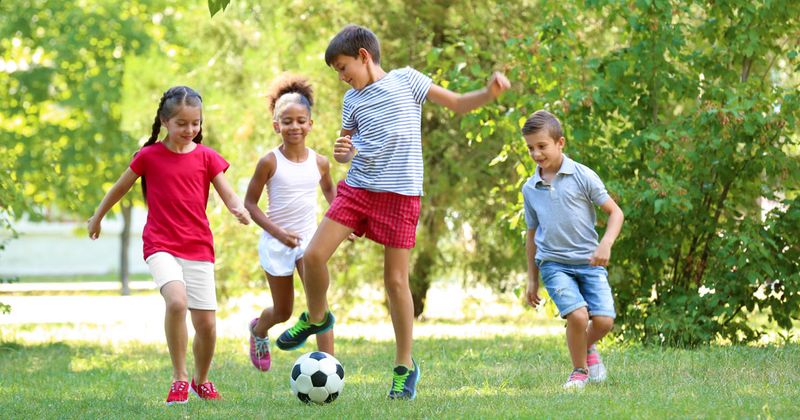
(282, 313)
(205, 325)
(603, 323)
(579, 317)
(176, 305)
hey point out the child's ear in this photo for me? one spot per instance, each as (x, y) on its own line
(364, 55)
(276, 126)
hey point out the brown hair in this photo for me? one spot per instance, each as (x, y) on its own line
(289, 89)
(543, 120)
(349, 40)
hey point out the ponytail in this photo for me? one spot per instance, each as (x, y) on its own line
(170, 101)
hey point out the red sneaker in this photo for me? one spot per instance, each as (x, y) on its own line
(178, 393)
(205, 391)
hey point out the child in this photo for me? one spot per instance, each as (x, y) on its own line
(178, 245)
(562, 244)
(380, 198)
(291, 173)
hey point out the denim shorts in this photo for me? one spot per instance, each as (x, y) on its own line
(574, 286)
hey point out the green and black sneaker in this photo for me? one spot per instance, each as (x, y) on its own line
(404, 382)
(296, 336)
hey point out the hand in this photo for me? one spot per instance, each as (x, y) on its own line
(241, 214)
(601, 255)
(93, 225)
(343, 149)
(532, 294)
(498, 84)
(289, 238)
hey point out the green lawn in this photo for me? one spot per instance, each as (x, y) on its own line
(508, 376)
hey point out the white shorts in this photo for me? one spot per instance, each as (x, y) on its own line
(278, 259)
(196, 276)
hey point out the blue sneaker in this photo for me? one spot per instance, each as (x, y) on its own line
(296, 336)
(404, 382)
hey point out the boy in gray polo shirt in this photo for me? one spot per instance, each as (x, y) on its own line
(563, 246)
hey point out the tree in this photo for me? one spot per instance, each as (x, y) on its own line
(64, 68)
(688, 114)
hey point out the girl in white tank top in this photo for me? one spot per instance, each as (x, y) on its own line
(290, 173)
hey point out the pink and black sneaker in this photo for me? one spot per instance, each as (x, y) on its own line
(259, 349)
(597, 370)
(577, 379)
(178, 393)
(205, 391)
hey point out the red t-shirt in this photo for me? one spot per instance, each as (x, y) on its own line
(177, 194)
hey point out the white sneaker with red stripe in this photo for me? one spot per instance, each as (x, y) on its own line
(597, 370)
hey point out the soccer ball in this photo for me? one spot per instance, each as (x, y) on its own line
(317, 377)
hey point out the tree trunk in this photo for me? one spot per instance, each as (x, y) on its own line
(125, 242)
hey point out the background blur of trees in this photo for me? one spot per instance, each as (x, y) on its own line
(687, 109)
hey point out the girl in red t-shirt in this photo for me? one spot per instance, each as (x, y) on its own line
(178, 244)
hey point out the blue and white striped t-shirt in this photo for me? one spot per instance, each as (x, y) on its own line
(385, 118)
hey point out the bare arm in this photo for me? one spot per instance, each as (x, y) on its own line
(615, 218)
(231, 200)
(343, 149)
(117, 191)
(466, 102)
(265, 169)
(533, 270)
(326, 181)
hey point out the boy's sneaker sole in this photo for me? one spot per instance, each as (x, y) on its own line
(296, 336)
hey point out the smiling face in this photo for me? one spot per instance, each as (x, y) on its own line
(293, 124)
(354, 70)
(184, 125)
(546, 151)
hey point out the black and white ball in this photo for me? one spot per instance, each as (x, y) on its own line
(317, 377)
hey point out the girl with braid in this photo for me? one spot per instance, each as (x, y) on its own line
(291, 173)
(178, 244)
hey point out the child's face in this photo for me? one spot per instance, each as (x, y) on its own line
(545, 150)
(352, 70)
(293, 124)
(183, 127)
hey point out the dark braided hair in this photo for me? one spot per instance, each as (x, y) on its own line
(168, 106)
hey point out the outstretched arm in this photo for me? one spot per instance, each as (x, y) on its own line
(231, 200)
(466, 102)
(615, 218)
(120, 188)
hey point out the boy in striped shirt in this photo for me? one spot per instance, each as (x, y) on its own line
(380, 197)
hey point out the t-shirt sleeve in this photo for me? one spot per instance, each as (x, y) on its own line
(419, 84)
(348, 120)
(216, 164)
(139, 162)
(596, 189)
(530, 214)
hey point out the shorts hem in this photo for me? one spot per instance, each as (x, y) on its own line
(611, 315)
(572, 309)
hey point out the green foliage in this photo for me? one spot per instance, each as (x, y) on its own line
(215, 6)
(687, 113)
(498, 377)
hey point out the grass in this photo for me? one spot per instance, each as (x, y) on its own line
(491, 377)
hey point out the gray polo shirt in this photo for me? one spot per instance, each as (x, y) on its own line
(563, 213)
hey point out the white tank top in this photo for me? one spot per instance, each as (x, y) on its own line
(292, 192)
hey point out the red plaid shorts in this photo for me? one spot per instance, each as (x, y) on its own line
(387, 218)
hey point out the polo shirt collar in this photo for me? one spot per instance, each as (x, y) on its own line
(567, 168)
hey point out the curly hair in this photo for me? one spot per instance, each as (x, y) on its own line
(289, 89)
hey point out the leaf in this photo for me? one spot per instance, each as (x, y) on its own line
(215, 6)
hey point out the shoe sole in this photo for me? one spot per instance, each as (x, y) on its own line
(171, 403)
